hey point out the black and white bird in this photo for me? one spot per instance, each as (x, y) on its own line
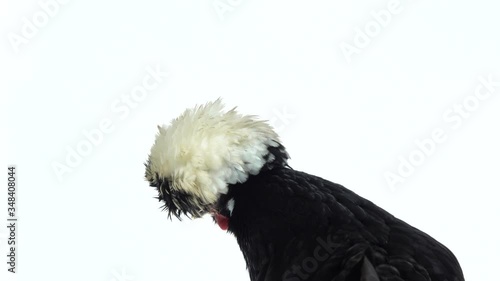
(290, 225)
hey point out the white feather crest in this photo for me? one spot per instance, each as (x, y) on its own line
(207, 148)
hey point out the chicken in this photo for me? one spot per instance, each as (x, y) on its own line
(289, 225)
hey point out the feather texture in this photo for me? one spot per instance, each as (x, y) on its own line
(294, 226)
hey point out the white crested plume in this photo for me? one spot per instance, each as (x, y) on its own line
(207, 148)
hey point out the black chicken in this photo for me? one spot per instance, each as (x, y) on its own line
(289, 225)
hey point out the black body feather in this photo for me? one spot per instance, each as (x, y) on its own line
(294, 226)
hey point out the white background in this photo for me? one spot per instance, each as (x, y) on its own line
(350, 119)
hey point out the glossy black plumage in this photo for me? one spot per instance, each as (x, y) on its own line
(289, 225)
(294, 226)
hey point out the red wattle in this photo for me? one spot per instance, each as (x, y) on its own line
(222, 221)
